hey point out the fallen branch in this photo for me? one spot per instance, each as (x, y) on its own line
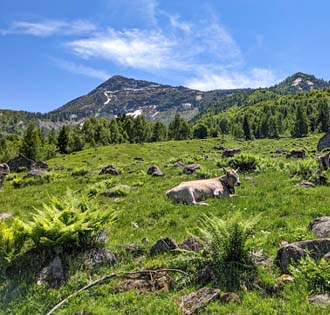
(109, 276)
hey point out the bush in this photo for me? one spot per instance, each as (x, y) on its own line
(305, 169)
(226, 242)
(68, 222)
(245, 162)
(316, 274)
(79, 172)
(31, 181)
(12, 238)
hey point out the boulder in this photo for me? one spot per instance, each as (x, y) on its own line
(321, 227)
(206, 275)
(98, 256)
(163, 245)
(21, 161)
(110, 169)
(194, 301)
(35, 173)
(324, 142)
(154, 170)
(139, 158)
(292, 253)
(279, 151)
(53, 274)
(191, 168)
(5, 216)
(117, 191)
(320, 299)
(178, 164)
(229, 297)
(305, 184)
(146, 282)
(259, 258)
(192, 244)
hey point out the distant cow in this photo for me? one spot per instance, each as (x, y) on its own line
(230, 152)
(324, 161)
(4, 170)
(191, 193)
(299, 153)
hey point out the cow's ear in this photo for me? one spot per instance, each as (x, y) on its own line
(237, 170)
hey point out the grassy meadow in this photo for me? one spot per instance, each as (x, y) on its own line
(285, 212)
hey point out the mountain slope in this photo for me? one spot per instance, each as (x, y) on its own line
(300, 82)
(120, 95)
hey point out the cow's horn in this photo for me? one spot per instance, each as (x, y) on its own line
(224, 170)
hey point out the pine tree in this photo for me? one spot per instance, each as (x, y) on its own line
(200, 131)
(159, 132)
(179, 129)
(246, 128)
(300, 128)
(64, 139)
(31, 143)
(115, 136)
(323, 119)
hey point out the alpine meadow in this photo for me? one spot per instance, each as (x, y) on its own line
(163, 157)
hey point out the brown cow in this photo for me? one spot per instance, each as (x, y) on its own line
(193, 192)
(4, 170)
(230, 152)
(324, 161)
(298, 153)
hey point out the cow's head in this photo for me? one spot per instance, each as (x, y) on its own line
(232, 178)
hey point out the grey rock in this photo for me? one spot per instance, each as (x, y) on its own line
(110, 169)
(5, 216)
(163, 245)
(192, 244)
(324, 142)
(194, 301)
(53, 274)
(305, 184)
(292, 253)
(191, 168)
(320, 299)
(321, 227)
(154, 170)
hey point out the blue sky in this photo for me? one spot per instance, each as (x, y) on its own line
(54, 51)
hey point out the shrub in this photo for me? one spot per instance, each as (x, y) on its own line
(79, 172)
(31, 181)
(12, 238)
(68, 222)
(305, 169)
(316, 274)
(226, 242)
(245, 162)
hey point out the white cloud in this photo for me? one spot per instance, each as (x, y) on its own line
(177, 23)
(132, 48)
(49, 28)
(254, 78)
(80, 69)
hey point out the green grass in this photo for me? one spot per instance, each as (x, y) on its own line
(145, 213)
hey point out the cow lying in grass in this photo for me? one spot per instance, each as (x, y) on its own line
(193, 192)
(4, 170)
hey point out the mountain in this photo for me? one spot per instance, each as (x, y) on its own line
(300, 82)
(120, 95)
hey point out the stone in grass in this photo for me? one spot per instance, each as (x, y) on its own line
(192, 244)
(146, 282)
(163, 245)
(191, 168)
(5, 216)
(194, 301)
(321, 227)
(117, 191)
(320, 299)
(305, 184)
(53, 274)
(292, 253)
(154, 170)
(110, 169)
(229, 297)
